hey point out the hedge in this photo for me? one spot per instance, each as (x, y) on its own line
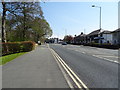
(16, 47)
(108, 46)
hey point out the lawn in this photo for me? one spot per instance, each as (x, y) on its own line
(8, 58)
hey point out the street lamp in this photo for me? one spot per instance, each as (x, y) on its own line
(100, 14)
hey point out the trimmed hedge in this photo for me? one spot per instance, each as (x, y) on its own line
(108, 46)
(104, 45)
(16, 47)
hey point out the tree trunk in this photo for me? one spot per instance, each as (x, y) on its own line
(24, 24)
(3, 23)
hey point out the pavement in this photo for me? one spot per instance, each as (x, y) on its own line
(36, 69)
(94, 71)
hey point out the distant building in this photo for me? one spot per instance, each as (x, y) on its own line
(80, 39)
(116, 36)
(99, 36)
(106, 37)
(93, 36)
(52, 40)
(56, 40)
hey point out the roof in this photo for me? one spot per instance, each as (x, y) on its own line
(83, 35)
(117, 30)
(94, 32)
(106, 32)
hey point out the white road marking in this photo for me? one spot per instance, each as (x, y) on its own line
(80, 51)
(105, 58)
(68, 81)
(116, 61)
(70, 74)
(83, 52)
(98, 56)
(65, 65)
(64, 74)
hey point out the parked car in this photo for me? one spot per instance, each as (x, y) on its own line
(64, 43)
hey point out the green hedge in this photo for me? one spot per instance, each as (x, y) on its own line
(16, 47)
(106, 45)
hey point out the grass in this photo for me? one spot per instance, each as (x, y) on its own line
(8, 58)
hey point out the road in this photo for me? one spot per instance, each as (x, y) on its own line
(44, 68)
(96, 67)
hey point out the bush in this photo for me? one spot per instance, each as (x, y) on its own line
(16, 47)
(104, 45)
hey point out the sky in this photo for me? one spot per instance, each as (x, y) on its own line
(72, 18)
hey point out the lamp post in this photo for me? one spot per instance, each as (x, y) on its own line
(100, 14)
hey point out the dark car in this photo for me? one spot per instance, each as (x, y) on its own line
(64, 43)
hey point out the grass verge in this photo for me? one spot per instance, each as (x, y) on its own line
(8, 58)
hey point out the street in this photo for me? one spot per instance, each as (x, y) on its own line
(94, 67)
(60, 45)
(95, 72)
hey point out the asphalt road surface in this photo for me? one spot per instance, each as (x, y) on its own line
(96, 67)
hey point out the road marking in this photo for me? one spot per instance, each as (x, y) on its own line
(83, 52)
(80, 51)
(64, 74)
(70, 74)
(107, 55)
(71, 86)
(105, 59)
(77, 50)
(73, 76)
(116, 61)
(73, 73)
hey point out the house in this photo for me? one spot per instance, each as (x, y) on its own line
(76, 39)
(116, 37)
(80, 39)
(93, 36)
(106, 37)
(100, 36)
(55, 40)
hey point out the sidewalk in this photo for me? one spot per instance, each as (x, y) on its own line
(36, 69)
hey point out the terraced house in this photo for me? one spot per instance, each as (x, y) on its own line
(100, 37)
(116, 37)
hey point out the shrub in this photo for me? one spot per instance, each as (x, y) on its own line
(27, 46)
(16, 47)
(104, 45)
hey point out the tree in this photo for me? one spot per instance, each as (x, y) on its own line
(24, 13)
(68, 38)
(25, 21)
(3, 22)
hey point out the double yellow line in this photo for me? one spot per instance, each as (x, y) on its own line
(69, 71)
